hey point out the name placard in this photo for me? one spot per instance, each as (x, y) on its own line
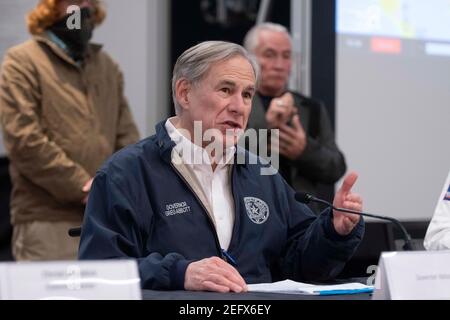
(416, 275)
(70, 280)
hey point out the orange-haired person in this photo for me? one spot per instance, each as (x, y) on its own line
(63, 112)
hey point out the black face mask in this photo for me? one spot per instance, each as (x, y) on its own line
(76, 39)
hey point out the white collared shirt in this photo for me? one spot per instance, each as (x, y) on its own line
(215, 184)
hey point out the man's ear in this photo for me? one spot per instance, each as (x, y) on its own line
(182, 88)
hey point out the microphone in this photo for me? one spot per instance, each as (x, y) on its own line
(74, 232)
(306, 198)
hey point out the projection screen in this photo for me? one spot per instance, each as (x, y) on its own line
(393, 101)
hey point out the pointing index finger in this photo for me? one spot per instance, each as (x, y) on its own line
(349, 182)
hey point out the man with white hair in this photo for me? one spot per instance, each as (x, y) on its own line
(214, 224)
(309, 156)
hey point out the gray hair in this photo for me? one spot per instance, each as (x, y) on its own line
(195, 62)
(251, 41)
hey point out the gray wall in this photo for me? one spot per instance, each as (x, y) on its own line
(136, 34)
(12, 30)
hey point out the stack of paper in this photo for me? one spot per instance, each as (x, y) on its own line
(293, 287)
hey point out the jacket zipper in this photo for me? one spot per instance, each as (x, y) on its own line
(205, 212)
(234, 203)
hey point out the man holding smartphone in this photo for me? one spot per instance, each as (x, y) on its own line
(309, 156)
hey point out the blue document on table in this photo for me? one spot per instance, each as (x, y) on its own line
(293, 287)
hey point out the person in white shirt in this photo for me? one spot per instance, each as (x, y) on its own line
(438, 233)
(218, 223)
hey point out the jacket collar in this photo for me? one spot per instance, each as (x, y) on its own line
(93, 49)
(241, 154)
(165, 144)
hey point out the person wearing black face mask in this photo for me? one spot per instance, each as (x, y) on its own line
(76, 39)
(63, 113)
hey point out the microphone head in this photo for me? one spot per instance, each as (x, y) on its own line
(303, 197)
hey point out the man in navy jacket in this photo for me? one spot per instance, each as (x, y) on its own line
(200, 218)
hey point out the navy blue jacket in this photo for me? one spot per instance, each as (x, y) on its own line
(141, 208)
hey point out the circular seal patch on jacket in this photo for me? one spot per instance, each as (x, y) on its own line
(257, 210)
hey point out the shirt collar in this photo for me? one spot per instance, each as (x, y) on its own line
(191, 153)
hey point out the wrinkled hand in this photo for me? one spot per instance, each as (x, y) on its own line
(86, 188)
(344, 198)
(213, 274)
(280, 111)
(292, 139)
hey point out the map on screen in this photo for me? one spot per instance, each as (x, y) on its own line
(410, 19)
